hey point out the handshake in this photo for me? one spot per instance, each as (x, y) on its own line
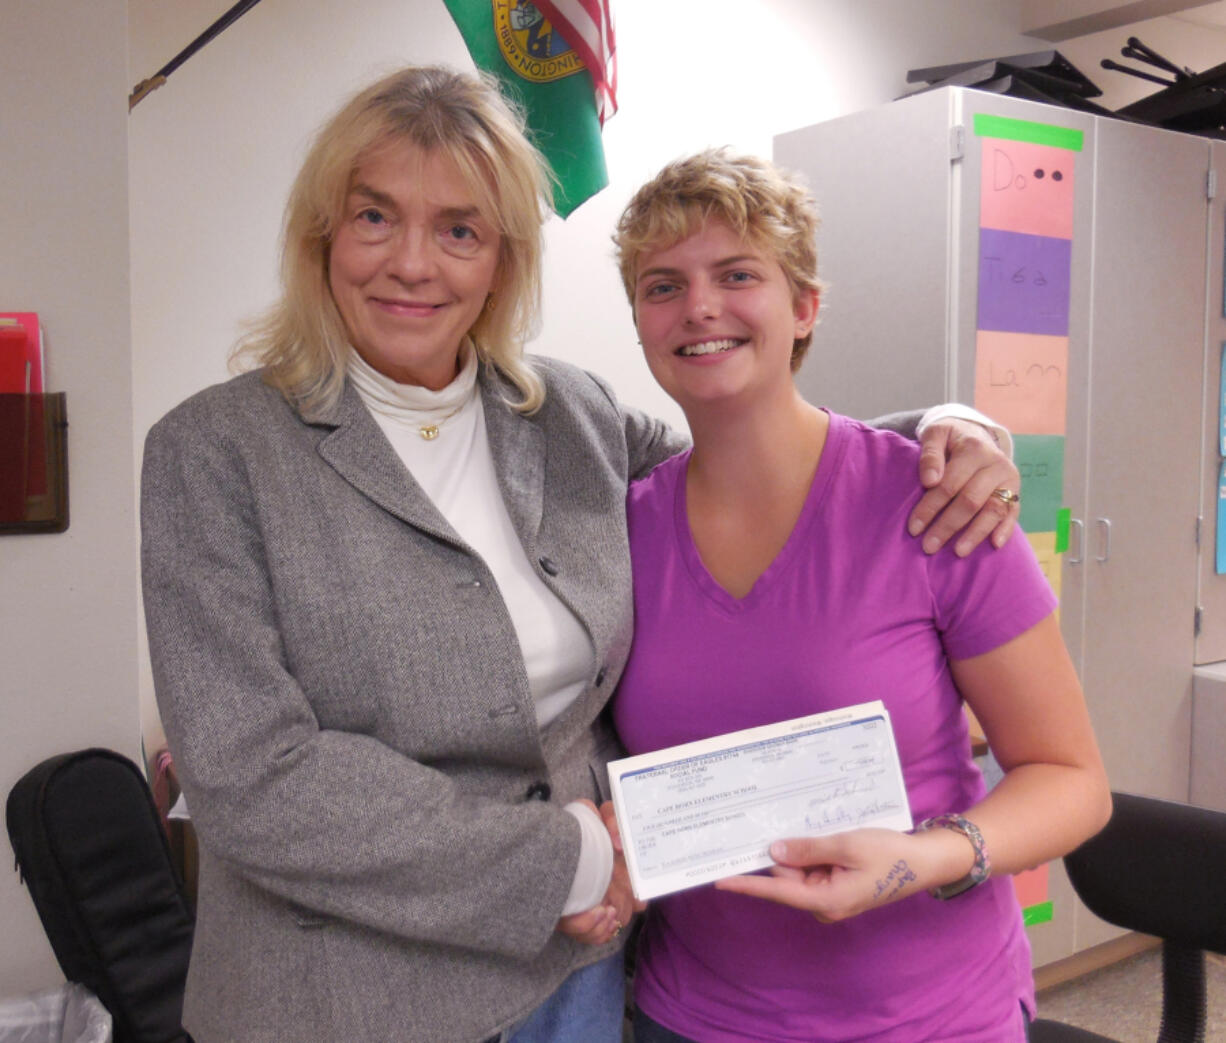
(604, 921)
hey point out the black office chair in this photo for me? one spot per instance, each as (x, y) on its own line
(92, 851)
(1157, 868)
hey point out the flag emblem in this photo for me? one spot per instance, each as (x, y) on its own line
(530, 45)
(537, 50)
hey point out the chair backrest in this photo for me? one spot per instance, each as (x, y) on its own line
(92, 851)
(1157, 868)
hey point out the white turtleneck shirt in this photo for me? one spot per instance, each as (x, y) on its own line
(456, 471)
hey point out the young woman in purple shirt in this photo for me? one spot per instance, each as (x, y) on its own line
(774, 578)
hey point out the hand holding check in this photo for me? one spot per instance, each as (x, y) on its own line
(838, 877)
(602, 923)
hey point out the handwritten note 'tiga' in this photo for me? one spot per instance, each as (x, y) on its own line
(1021, 381)
(1026, 188)
(1023, 282)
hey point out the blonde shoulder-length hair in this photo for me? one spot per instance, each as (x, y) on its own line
(301, 341)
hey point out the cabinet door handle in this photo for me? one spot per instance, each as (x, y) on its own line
(1104, 526)
(1079, 525)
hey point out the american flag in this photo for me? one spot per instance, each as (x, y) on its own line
(587, 25)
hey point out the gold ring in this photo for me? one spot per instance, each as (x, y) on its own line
(617, 927)
(1006, 496)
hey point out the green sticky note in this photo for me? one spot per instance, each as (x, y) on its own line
(987, 126)
(1064, 518)
(1040, 460)
(1041, 913)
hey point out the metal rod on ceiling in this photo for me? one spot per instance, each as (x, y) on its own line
(151, 84)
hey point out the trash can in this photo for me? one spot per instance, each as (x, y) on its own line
(67, 1014)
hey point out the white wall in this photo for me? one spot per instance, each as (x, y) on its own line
(68, 614)
(213, 151)
(210, 156)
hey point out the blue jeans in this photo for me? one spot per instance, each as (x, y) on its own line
(587, 1007)
(648, 1031)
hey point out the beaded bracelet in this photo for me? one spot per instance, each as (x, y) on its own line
(983, 865)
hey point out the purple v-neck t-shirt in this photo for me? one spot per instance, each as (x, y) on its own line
(851, 610)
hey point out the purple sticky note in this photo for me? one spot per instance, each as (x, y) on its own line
(1023, 283)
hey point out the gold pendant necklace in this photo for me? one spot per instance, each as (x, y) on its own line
(429, 432)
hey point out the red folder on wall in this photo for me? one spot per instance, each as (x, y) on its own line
(21, 353)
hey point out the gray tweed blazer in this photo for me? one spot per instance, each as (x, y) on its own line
(347, 706)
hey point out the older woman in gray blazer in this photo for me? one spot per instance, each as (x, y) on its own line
(388, 595)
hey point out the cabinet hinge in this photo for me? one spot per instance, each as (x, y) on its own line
(1200, 617)
(1211, 185)
(957, 142)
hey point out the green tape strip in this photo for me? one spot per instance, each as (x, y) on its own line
(1064, 517)
(1024, 130)
(1041, 913)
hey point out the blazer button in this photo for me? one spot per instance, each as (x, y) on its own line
(549, 566)
(539, 791)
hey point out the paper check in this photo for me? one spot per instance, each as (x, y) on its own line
(709, 809)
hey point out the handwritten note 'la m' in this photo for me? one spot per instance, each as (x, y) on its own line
(1021, 380)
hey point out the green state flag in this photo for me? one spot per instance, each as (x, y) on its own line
(512, 40)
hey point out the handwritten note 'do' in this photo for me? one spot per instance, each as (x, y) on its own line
(1021, 381)
(1027, 188)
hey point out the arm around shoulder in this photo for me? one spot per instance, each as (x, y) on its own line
(649, 442)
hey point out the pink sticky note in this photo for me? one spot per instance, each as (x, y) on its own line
(1031, 886)
(1021, 381)
(1026, 188)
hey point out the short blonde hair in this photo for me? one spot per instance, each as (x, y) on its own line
(764, 205)
(302, 341)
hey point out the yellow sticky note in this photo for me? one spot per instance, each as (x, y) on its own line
(1044, 546)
